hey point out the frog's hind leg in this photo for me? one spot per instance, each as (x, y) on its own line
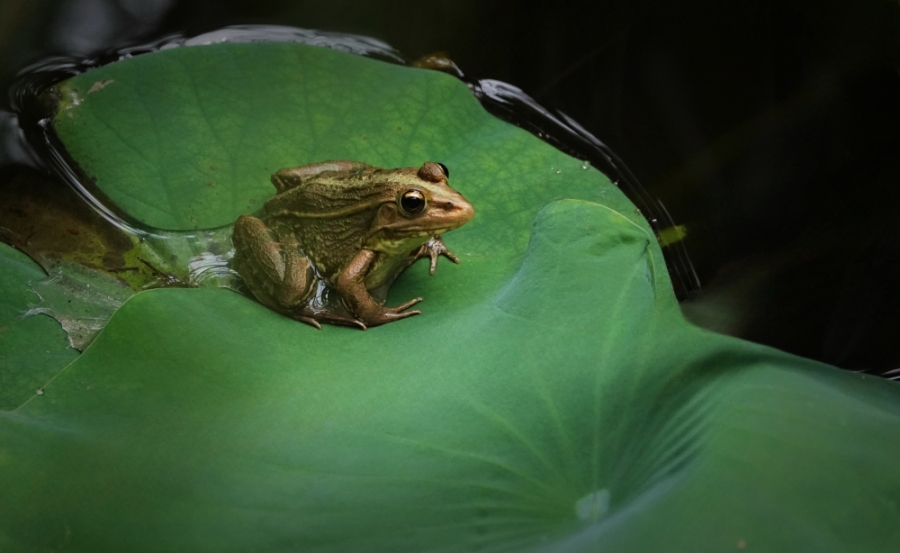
(273, 267)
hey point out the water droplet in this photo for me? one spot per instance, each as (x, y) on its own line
(593, 506)
(585, 164)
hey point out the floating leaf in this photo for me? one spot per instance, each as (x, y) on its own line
(32, 349)
(550, 398)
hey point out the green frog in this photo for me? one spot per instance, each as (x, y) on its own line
(327, 247)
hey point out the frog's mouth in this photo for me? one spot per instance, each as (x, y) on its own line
(398, 230)
(443, 216)
(399, 238)
(407, 233)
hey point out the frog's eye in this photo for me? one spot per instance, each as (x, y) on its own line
(445, 170)
(413, 202)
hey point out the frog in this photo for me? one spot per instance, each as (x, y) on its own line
(329, 244)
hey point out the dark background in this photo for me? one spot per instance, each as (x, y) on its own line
(770, 128)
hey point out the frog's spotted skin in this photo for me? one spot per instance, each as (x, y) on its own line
(337, 232)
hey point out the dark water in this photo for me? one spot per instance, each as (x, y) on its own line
(771, 130)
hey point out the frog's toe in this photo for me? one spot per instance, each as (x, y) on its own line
(405, 306)
(446, 253)
(449, 255)
(435, 248)
(355, 323)
(390, 316)
(309, 320)
(434, 257)
(341, 320)
(359, 324)
(405, 314)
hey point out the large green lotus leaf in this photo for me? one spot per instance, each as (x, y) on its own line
(571, 409)
(550, 397)
(32, 349)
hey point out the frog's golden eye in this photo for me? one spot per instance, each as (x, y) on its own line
(413, 202)
(445, 170)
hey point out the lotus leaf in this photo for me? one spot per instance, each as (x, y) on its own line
(551, 397)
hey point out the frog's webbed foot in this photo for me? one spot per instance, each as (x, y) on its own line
(372, 313)
(315, 319)
(399, 312)
(384, 315)
(433, 249)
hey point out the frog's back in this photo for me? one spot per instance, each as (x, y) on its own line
(331, 215)
(326, 196)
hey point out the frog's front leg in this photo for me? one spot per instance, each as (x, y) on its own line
(273, 267)
(433, 249)
(351, 286)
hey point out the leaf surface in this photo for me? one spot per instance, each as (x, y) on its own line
(550, 397)
(32, 349)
